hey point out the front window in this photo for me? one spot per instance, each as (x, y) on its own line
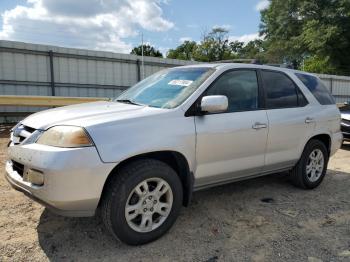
(167, 88)
(241, 89)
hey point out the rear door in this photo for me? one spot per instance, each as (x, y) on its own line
(290, 118)
(232, 144)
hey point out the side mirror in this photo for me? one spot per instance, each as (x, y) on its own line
(214, 104)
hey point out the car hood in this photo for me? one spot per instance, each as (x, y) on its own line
(82, 114)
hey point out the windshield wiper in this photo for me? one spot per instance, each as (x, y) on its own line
(128, 101)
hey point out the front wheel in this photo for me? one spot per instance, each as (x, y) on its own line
(142, 201)
(310, 170)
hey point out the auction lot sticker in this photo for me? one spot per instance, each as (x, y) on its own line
(180, 82)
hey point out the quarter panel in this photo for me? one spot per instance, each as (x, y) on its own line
(287, 134)
(327, 122)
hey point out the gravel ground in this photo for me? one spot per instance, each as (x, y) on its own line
(263, 219)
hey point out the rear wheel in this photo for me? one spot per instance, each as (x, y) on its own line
(310, 170)
(142, 201)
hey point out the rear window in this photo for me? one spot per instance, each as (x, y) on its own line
(317, 88)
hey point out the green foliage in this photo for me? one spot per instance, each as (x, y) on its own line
(310, 34)
(185, 51)
(236, 47)
(253, 49)
(295, 30)
(147, 51)
(214, 46)
(319, 65)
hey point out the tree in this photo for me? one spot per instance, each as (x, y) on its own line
(147, 51)
(214, 46)
(236, 47)
(317, 64)
(185, 51)
(295, 30)
(253, 49)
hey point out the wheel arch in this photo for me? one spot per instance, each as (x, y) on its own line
(175, 160)
(324, 138)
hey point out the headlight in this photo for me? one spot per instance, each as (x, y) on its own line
(65, 136)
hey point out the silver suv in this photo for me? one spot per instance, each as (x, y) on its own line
(138, 159)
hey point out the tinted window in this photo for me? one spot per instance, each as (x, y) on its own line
(317, 88)
(280, 91)
(241, 89)
(301, 98)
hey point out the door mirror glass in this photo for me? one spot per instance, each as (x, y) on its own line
(214, 104)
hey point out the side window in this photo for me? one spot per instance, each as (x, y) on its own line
(301, 98)
(317, 88)
(281, 92)
(241, 89)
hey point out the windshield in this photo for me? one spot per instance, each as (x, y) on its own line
(167, 88)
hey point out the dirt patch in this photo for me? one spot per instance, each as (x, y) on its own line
(264, 219)
(5, 130)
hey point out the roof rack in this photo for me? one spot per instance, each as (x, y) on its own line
(253, 61)
(281, 65)
(243, 60)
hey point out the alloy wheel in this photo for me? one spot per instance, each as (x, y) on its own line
(315, 165)
(148, 205)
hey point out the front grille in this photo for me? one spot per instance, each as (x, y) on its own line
(21, 133)
(18, 167)
(29, 129)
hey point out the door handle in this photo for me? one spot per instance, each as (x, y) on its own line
(309, 120)
(258, 125)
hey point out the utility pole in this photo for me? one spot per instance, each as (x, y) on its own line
(142, 62)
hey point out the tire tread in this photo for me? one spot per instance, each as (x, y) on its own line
(297, 173)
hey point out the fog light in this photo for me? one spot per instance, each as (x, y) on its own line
(33, 176)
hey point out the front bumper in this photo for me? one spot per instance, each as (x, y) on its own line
(73, 177)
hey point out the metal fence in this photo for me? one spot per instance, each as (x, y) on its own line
(40, 70)
(339, 86)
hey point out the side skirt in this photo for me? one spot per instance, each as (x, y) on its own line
(236, 179)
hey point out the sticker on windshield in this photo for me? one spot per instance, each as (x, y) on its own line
(180, 82)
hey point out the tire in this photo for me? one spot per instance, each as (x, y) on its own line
(301, 176)
(127, 188)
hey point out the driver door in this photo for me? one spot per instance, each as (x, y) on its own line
(232, 144)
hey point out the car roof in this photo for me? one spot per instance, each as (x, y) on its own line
(242, 65)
